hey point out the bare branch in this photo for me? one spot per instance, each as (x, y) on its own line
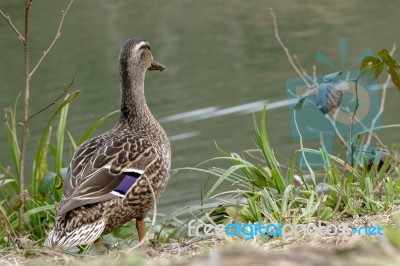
(65, 90)
(302, 149)
(291, 61)
(8, 19)
(380, 111)
(374, 135)
(302, 69)
(58, 34)
(25, 124)
(382, 105)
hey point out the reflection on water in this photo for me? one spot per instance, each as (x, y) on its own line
(184, 136)
(222, 60)
(214, 111)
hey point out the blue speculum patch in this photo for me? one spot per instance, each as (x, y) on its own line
(126, 183)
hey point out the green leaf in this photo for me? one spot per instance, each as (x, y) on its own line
(326, 214)
(373, 67)
(63, 172)
(392, 66)
(6, 181)
(41, 152)
(395, 77)
(285, 200)
(95, 126)
(10, 122)
(47, 183)
(72, 140)
(60, 137)
(44, 208)
(299, 104)
(388, 59)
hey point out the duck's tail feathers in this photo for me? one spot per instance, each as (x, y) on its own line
(80, 236)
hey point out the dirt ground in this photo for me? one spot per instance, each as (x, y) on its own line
(296, 251)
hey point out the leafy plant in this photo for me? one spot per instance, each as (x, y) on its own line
(20, 147)
(373, 66)
(258, 188)
(45, 184)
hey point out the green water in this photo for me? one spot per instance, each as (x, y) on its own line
(221, 56)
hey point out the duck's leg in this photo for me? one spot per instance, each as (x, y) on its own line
(140, 228)
(98, 246)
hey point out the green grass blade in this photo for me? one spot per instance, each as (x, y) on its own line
(95, 125)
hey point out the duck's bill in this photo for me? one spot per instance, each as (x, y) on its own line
(156, 66)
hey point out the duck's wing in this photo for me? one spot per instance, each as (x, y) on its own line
(105, 167)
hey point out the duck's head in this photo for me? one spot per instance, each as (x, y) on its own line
(136, 56)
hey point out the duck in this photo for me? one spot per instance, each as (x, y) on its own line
(117, 176)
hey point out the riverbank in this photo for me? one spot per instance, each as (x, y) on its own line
(316, 250)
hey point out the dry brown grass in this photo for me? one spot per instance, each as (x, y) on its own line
(337, 250)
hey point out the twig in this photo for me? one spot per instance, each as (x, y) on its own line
(314, 74)
(351, 150)
(370, 131)
(352, 118)
(7, 225)
(302, 149)
(301, 68)
(65, 90)
(58, 34)
(28, 75)
(24, 137)
(382, 106)
(8, 19)
(291, 61)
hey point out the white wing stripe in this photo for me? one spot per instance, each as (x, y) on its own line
(116, 193)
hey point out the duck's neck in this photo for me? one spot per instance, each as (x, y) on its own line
(134, 108)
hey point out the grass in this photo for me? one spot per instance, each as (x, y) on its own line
(246, 188)
(352, 250)
(255, 187)
(45, 182)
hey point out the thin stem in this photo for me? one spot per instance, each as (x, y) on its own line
(8, 227)
(302, 149)
(382, 105)
(301, 68)
(58, 34)
(286, 50)
(370, 131)
(26, 119)
(65, 90)
(8, 19)
(314, 74)
(351, 150)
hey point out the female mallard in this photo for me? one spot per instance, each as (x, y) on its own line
(113, 178)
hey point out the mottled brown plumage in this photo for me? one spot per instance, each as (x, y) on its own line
(96, 199)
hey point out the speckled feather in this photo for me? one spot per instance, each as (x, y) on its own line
(88, 207)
